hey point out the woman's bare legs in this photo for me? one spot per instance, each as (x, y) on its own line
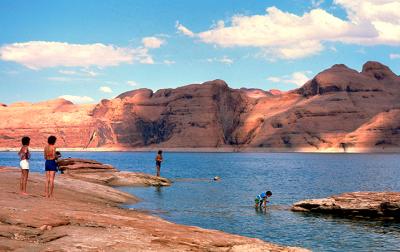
(23, 181)
(51, 182)
(26, 174)
(46, 185)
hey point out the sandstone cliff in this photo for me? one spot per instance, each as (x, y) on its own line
(339, 109)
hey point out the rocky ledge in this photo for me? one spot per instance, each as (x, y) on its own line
(96, 172)
(355, 204)
(85, 216)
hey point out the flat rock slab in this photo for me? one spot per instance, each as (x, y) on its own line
(355, 204)
(121, 178)
(96, 172)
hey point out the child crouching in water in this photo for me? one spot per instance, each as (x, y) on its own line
(262, 199)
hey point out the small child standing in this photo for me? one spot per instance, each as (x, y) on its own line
(262, 199)
(24, 156)
(159, 159)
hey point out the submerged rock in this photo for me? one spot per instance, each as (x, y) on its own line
(355, 204)
(96, 172)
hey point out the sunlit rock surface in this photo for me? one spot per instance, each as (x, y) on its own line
(355, 204)
(96, 172)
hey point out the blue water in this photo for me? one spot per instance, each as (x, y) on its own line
(194, 199)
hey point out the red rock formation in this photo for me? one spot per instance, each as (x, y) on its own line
(339, 109)
(355, 204)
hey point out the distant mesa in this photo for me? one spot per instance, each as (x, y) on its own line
(339, 109)
(276, 92)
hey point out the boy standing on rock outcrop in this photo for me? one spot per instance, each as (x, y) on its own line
(159, 159)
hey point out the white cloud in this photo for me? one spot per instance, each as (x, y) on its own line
(333, 48)
(144, 56)
(57, 78)
(225, 60)
(77, 99)
(90, 73)
(152, 42)
(300, 50)
(43, 54)
(316, 3)
(81, 72)
(132, 83)
(274, 79)
(298, 78)
(380, 16)
(286, 35)
(105, 89)
(394, 56)
(169, 62)
(68, 72)
(182, 29)
(361, 51)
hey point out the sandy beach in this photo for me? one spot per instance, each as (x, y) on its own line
(85, 216)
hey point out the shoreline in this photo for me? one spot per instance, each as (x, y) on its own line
(222, 150)
(85, 216)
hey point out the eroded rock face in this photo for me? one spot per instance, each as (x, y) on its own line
(96, 172)
(356, 204)
(340, 109)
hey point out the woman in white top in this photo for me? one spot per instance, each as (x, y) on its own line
(24, 156)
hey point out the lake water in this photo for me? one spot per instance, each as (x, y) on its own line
(227, 205)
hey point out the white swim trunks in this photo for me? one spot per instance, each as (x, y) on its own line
(24, 164)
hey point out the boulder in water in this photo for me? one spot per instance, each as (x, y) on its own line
(355, 204)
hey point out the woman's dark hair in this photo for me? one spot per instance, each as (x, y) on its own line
(269, 193)
(25, 140)
(51, 140)
(160, 152)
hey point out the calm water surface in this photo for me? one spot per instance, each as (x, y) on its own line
(194, 199)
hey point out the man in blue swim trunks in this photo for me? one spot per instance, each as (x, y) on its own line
(262, 199)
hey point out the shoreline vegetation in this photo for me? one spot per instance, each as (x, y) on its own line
(87, 216)
(219, 150)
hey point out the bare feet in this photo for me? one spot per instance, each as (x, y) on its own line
(46, 227)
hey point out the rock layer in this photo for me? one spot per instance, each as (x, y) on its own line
(84, 216)
(340, 109)
(96, 172)
(355, 204)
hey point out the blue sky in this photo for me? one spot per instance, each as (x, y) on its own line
(89, 50)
